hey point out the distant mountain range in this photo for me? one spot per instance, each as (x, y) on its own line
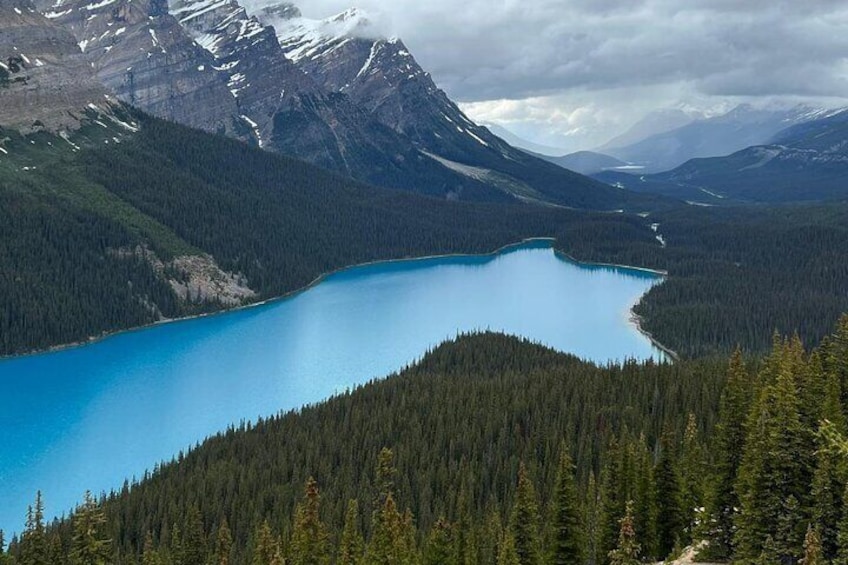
(806, 162)
(521, 143)
(743, 126)
(588, 162)
(331, 92)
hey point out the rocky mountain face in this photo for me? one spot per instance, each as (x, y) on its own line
(288, 110)
(45, 82)
(143, 55)
(329, 92)
(344, 54)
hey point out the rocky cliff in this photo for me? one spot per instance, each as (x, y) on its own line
(45, 81)
(141, 53)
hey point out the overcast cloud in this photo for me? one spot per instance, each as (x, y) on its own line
(577, 72)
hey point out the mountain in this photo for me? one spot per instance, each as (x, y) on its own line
(742, 127)
(215, 67)
(656, 122)
(141, 54)
(522, 143)
(586, 162)
(45, 81)
(805, 162)
(346, 55)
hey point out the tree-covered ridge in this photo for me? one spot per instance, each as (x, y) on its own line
(735, 275)
(505, 452)
(78, 226)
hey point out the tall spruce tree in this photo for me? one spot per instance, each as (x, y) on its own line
(90, 546)
(525, 520)
(812, 549)
(568, 539)
(351, 545)
(627, 549)
(772, 475)
(266, 550)
(223, 544)
(33, 542)
(671, 522)
(310, 542)
(730, 435)
(440, 544)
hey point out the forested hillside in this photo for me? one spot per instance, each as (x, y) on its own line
(736, 275)
(501, 451)
(90, 230)
(94, 237)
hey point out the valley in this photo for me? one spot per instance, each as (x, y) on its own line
(270, 293)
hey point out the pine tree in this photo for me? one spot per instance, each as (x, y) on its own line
(89, 545)
(193, 542)
(351, 546)
(627, 551)
(670, 516)
(440, 547)
(842, 534)
(34, 539)
(525, 520)
(491, 536)
(465, 542)
(826, 496)
(592, 519)
(310, 540)
(267, 548)
(772, 475)
(223, 544)
(149, 555)
(692, 473)
(568, 541)
(507, 553)
(389, 543)
(729, 439)
(812, 548)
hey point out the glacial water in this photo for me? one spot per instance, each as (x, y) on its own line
(89, 417)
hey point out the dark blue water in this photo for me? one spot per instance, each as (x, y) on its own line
(89, 417)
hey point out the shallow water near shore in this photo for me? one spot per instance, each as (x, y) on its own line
(89, 417)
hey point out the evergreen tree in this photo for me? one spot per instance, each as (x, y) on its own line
(568, 542)
(627, 550)
(491, 536)
(389, 543)
(149, 555)
(440, 547)
(266, 550)
(727, 453)
(842, 534)
(525, 520)
(223, 544)
(34, 538)
(310, 542)
(465, 542)
(772, 475)
(89, 545)
(692, 472)
(592, 519)
(351, 546)
(507, 553)
(670, 516)
(826, 496)
(193, 542)
(812, 549)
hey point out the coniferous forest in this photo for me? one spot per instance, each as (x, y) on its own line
(496, 450)
(71, 227)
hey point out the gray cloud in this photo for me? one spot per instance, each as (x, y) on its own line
(565, 51)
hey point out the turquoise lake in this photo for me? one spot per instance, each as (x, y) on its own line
(89, 417)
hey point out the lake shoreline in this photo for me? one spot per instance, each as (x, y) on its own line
(634, 318)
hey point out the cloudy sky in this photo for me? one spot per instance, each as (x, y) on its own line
(574, 73)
